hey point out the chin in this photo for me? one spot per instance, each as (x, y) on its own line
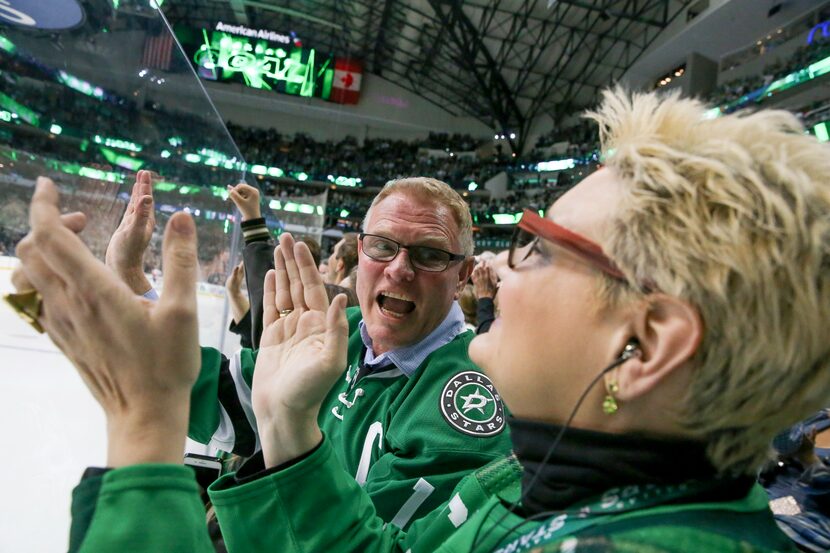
(478, 350)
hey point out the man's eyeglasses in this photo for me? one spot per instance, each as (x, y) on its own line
(532, 227)
(423, 258)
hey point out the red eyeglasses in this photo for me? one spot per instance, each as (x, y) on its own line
(532, 227)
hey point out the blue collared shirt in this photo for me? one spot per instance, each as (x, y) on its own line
(409, 358)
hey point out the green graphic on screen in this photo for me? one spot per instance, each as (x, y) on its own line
(259, 63)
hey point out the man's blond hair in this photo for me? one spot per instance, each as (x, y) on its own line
(733, 215)
(437, 192)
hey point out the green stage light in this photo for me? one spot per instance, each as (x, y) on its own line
(821, 132)
(19, 110)
(7, 45)
(165, 186)
(506, 218)
(126, 162)
(119, 143)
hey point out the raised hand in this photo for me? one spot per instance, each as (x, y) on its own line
(125, 251)
(484, 280)
(302, 353)
(246, 199)
(76, 222)
(238, 299)
(234, 281)
(138, 358)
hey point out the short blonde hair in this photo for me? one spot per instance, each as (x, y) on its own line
(435, 191)
(733, 215)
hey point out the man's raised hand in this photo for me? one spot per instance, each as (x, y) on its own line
(302, 353)
(125, 251)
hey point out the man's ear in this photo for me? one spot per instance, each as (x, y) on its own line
(464, 273)
(669, 331)
(340, 268)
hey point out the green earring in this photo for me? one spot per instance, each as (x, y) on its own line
(609, 404)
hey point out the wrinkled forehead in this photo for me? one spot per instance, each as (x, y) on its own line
(414, 215)
(411, 199)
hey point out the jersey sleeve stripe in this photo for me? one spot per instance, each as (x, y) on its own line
(224, 437)
(245, 442)
(243, 393)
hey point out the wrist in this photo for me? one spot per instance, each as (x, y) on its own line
(249, 215)
(134, 278)
(288, 439)
(153, 435)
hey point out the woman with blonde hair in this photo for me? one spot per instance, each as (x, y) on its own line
(659, 325)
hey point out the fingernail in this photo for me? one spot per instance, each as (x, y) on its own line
(146, 202)
(182, 224)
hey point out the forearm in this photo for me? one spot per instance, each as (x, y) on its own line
(152, 433)
(288, 438)
(239, 306)
(259, 259)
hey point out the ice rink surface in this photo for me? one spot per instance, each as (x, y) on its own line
(52, 428)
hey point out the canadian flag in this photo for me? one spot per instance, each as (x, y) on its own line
(347, 76)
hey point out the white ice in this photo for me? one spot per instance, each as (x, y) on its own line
(52, 429)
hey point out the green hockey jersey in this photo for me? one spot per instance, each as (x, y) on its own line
(315, 506)
(407, 440)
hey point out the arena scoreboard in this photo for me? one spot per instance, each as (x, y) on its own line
(259, 59)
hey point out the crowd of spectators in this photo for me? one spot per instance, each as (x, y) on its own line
(374, 161)
(582, 136)
(801, 58)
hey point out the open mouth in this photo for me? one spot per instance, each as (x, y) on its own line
(395, 305)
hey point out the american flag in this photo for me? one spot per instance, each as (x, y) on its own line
(158, 51)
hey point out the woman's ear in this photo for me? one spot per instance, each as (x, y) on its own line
(669, 331)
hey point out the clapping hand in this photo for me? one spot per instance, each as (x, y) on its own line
(125, 251)
(484, 280)
(302, 353)
(138, 358)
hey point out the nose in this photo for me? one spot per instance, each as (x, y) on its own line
(400, 268)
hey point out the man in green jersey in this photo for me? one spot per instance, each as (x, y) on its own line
(402, 431)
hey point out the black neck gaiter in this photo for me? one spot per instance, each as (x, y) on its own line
(587, 463)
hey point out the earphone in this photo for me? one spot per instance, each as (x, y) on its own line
(631, 349)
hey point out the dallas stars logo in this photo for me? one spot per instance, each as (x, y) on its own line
(471, 404)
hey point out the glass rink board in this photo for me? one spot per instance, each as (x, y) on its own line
(91, 92)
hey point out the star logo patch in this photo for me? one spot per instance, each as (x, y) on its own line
(471, 405)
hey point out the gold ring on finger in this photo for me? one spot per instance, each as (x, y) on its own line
(28, 305)
(285, 312)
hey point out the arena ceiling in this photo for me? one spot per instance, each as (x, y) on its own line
(505, 62)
